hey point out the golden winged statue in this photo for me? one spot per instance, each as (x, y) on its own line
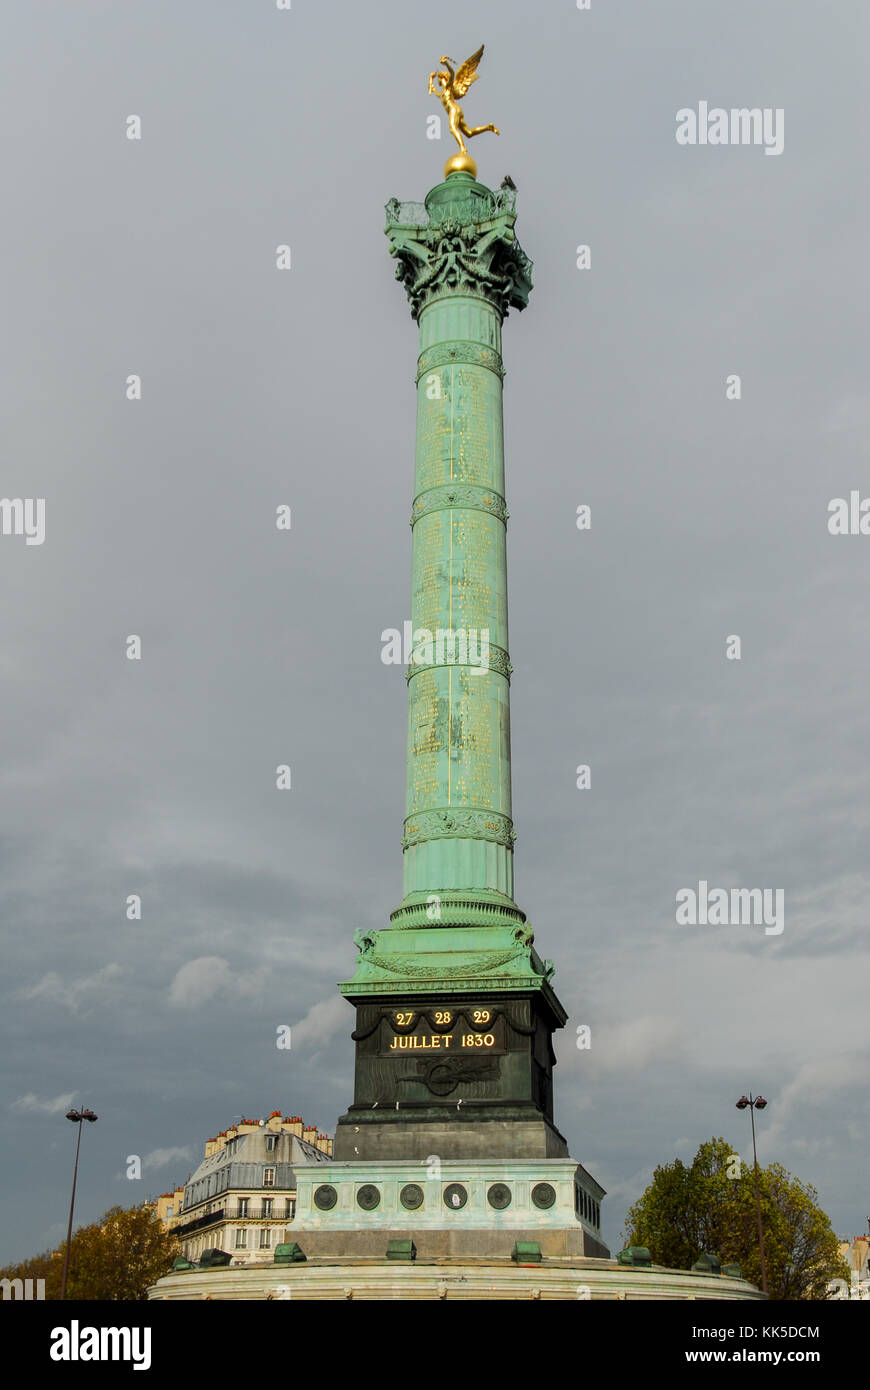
(450, 86)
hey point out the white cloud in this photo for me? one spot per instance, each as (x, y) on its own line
(206, 977)
(30, 1102)
(633, 1046)
(162, 1158)
(200, 980)
(322, 1021)
(72, 994)
(816, 1082)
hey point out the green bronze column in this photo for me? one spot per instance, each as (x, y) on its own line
(458, 834)
(455, 1009)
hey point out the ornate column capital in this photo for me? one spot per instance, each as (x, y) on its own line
(461, 241)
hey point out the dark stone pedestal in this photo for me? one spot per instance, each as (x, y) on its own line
(458, 1077)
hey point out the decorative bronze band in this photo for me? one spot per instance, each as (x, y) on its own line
(445, 354)
(499, 661)
(451, 822)
(481, 964)
(452, 495)
(473, 910)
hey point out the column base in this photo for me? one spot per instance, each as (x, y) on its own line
(504, 1133)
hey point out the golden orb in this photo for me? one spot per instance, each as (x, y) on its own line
(460, 163)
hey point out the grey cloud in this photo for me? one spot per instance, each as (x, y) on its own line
(56, 1106)
(259, 648)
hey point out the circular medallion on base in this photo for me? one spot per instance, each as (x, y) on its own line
(455, 1196)
(411, 1196)
(325, 1197)
(543, 1195)
(499, 1196)
(368, 1197)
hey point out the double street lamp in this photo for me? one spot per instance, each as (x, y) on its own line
(76, 1116)
(756, 1103)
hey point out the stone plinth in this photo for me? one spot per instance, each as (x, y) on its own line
(474, 1209)
(498, 1134)
(494, 1281)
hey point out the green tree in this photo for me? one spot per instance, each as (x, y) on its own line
(118, 1257)
(709, 1207)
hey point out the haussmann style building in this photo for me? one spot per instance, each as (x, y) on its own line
(242, 1197)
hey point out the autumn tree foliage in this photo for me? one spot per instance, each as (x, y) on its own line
(116, 1258)
(708, 1206)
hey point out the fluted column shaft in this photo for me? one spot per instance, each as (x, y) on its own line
(461, 268)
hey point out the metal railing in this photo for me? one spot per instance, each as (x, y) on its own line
(261, 1213)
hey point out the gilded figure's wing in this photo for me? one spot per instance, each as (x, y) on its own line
(467, 73)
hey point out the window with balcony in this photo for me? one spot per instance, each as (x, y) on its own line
(267, 1206)
(243, 1207)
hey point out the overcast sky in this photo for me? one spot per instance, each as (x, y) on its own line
(259, 647)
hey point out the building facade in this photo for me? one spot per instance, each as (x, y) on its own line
(242, 1197)
(856, 1253)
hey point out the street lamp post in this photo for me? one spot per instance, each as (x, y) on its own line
(756, 1103)
(76, 1116)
